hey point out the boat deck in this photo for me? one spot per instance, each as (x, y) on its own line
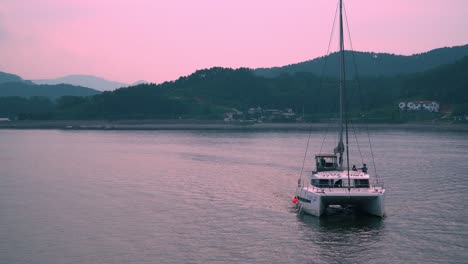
(373, 191)
(340, 174)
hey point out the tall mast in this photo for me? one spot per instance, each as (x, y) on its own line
(340, 147)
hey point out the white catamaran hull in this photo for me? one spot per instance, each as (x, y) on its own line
(315, 202)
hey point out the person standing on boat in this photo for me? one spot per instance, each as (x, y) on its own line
(364, 168)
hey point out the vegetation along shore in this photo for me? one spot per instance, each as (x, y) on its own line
(216, 125)
(431, 87)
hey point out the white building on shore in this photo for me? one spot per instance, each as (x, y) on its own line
(429, 106)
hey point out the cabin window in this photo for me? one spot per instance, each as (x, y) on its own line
(322, 183)
(363, 183)
(314, 182)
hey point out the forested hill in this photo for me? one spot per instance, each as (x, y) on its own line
(28, 89)
(448, 84)
(373, 64)
(209, 93)
(8, 77)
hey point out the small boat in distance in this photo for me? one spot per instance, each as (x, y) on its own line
(332, 183)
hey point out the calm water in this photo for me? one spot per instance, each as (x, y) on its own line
(221, 197)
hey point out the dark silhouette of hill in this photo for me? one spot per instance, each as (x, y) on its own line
(141, 101)
(372, 64)
(208, 93)
(448, 83)
(27, 108)
(24, 89)
(8, 77)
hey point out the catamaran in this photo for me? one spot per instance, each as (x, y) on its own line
(333, 183)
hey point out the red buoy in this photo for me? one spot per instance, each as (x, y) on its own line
(295, 200)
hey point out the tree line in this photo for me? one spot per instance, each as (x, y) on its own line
(209, 93)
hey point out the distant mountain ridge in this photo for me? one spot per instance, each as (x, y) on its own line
(372, 64)
(24, 89)
(8, 77)
(90, 81)
(14, 85)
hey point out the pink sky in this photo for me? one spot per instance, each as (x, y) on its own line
(159, 40)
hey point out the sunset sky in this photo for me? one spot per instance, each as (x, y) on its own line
(159, 40)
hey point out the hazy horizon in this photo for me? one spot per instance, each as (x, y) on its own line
(157, 41)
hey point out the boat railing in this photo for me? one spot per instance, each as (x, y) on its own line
(378, 183)
(342, 189)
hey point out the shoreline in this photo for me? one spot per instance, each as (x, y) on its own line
(213, 125)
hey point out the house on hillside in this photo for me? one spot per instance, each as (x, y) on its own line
(463, 118)
(255, 111)
(233, 115)
(424, 106)
(258, 114)
(279, 115)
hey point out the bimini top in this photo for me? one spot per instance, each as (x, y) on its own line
(326, 162)
(325, 155)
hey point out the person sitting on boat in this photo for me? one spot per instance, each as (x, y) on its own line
(364, 168)
(322, 162)
(354, 168)
(338, 183)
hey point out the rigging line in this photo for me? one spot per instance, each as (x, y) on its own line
(321, 81)
(306, 151)
(322, 75)
(372, 154)
(357, 82)
(360, 91)
(331, 126)
(329, 45)
(357, 141)
(353, 127)
(325, 137)
(334, 123)
(357, 79)
(351, 45)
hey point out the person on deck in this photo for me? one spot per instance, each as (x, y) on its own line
(354, 168)
(322, 162)
(364, 168)
(338, 183)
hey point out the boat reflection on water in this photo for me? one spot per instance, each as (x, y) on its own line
(343, 218)
(344, 234)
